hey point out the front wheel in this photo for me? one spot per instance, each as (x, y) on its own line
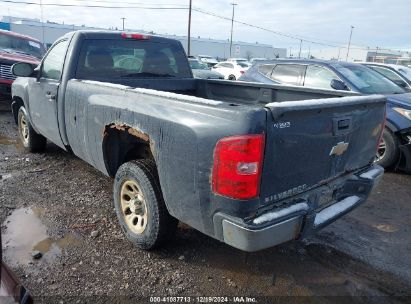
(140, 206)
(30, 139)
(388, 151)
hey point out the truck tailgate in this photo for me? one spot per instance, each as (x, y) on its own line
(309, 142)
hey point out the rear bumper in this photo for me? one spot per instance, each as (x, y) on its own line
(297, 220)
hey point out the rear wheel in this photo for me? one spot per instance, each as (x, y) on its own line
(388, 151)
(30, 139)
(140, 206)
(231, 77)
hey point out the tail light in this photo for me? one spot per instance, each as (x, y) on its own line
(135, 36)
(242, 72)
(237, 166)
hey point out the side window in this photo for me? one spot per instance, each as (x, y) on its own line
(53, 63)
(265, 69)
(230, 66)
(319, 77)
(288, 73)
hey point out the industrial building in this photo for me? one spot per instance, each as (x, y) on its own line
(48, 32)
(361, 54)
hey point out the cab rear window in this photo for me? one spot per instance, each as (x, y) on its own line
(131, 59)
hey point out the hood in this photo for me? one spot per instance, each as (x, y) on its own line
(17, 57)
(206, 74)
(403, 100)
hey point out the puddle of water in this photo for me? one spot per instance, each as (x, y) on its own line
(386, 228)
(4, 140)
(25, 233)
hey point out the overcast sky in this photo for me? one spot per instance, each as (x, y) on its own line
(381, 23)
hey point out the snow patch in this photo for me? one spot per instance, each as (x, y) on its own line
(371, 174)
(157, 93)
(335, 209)
(322, 101)
(106, 84)
(178, 96)
(280, 213)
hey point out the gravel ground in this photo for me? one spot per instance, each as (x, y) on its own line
(57, 205)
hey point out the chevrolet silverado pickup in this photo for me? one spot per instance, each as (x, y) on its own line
(251, 165)
(16, 48)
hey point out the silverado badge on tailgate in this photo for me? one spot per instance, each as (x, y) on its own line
(339, 148)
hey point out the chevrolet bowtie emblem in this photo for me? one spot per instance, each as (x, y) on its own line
(339, 149)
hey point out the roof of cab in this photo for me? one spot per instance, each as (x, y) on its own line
(114, 35)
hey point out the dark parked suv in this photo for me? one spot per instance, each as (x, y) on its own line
(395, 147)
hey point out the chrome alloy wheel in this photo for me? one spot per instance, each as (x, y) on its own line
(381, 151)
(24, 130)
(134, 207)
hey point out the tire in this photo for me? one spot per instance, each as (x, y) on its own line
(31, 140)
(231, 77)
(140, 206)
(388, 151)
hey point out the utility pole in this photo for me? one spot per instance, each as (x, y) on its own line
(189, 30)
(123, 21)
(349, 43)
(42, 22)
(375, 56)
(299, 53)
(232, 24)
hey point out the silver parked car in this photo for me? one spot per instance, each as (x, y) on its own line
(201, 70)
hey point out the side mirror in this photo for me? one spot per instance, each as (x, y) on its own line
(22, 69)
(338, 85)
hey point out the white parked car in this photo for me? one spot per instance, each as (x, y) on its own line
(239, 60)
(231, 70)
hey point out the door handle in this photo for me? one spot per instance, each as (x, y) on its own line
(50, 96)
(342, 126)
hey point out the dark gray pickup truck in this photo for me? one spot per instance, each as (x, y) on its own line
(251, 165)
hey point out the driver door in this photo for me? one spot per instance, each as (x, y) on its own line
(44, 94)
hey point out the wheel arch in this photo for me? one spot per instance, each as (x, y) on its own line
(123, 143)
(15, 106)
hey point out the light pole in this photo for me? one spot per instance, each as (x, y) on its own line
(42, 22)
(189, 30)
(376, 53)
(232, 24)
(123, 22)
(349, 43)
(299, 53)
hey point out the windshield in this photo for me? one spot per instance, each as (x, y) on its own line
(367, 80)
(196, 65)
(23, 46)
